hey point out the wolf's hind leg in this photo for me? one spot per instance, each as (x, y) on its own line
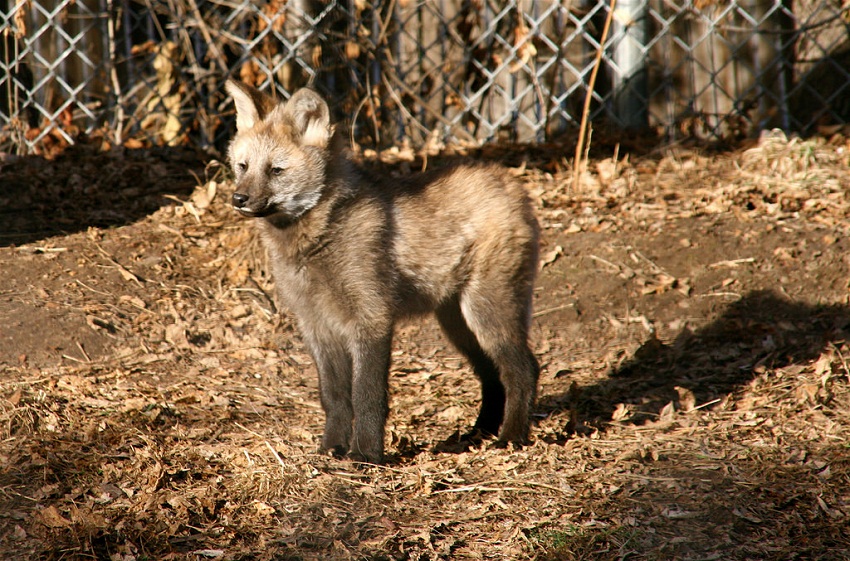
(492, 392)
(500, 324)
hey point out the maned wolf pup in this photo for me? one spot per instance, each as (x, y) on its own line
(351, 256)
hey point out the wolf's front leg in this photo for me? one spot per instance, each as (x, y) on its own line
(371, 362)
(334, 365)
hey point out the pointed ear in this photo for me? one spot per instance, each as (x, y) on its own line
(251, 104)
(311, 116)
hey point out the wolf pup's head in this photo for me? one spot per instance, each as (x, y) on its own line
(279, 152)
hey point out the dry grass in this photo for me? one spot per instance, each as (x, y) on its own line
(194, 434)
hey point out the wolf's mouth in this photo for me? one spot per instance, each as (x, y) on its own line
(252, 208)
(255, 213)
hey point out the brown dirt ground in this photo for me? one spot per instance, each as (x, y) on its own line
(692, 322)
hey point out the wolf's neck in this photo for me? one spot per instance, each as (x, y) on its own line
(298, 239)
(295, 237)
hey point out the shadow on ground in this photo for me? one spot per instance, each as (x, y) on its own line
(721, 500)
(84, 187)
(762, 329)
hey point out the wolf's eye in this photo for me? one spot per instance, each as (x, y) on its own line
(242, 166)
(276, 170)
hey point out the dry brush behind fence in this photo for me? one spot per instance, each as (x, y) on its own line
(151, 71)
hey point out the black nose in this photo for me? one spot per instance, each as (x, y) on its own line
(239, 199)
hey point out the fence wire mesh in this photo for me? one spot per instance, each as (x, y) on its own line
(144, 72)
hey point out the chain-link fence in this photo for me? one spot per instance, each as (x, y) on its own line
(152, 71)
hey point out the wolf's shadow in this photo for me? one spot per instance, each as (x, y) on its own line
(763, 329)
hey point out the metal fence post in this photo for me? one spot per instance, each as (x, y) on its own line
(629, 79)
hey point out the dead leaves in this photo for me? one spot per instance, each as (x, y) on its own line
(525, 49)
(52, 518)
(198, 435)
(125, 273)
(646, 274)
(780, 178)
(550, 256)
(687, 399)
(161, 113)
